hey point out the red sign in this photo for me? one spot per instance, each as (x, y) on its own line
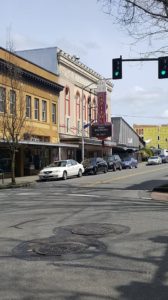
(101, 111)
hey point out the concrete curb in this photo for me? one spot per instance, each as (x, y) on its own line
(15, 186)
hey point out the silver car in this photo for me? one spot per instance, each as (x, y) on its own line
(154, 160)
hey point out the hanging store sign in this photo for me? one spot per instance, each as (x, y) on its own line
(101, 131)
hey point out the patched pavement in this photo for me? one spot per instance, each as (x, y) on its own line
(159, 196)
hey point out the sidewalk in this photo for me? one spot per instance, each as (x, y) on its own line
(20, 181)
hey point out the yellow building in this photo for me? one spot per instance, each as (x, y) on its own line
(34, 92)
(155, 136)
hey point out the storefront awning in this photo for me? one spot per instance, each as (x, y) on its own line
(61, 145)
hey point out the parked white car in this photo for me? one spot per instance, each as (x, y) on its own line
(62, 169)
(154, 160)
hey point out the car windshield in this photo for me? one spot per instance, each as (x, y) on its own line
(89, 161)
(153, 157)
(109, 158)
(61, 163)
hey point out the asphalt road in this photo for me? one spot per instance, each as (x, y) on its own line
(95, 237)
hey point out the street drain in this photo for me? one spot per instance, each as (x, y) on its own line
(46, 249)
(95, 229)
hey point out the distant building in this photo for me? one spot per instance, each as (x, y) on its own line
(155, 136)
(126, 139)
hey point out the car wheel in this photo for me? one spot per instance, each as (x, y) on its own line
(94, 171)
(105, 170)
(80, 173)
(64, 175)
(136, 166)
(114, 168)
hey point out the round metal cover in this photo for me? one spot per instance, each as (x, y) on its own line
(50, 248)
(56, 249)
(97, 229)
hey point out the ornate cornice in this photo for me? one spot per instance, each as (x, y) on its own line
(74, 62)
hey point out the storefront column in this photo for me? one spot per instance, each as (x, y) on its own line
(21, 162)
(59, 153)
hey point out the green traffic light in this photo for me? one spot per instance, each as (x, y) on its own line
(116, 74)
(163, 72)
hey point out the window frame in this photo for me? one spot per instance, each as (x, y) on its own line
(44, 110)
(2, 99)
(54, 113)
(12, 102)
(36, 109)
(28, 106)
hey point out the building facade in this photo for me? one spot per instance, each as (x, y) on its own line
(78, 101)
(155, 136)
(37, 92)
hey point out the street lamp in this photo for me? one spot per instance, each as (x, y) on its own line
(83, 140)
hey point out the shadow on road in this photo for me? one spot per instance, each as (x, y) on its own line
(156, 289)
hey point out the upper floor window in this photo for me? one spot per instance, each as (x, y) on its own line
(2, 99)
(44, 110)
(28, 106)
(67, 124)
(89, 108)
(78, 128)
(84, 108)
(94, 110)
(78, 106)
(12, 102)
(54, 113)
(36, 109)
(67, 101)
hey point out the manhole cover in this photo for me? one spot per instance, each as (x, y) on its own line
(59, 248)
(95, 229)
(46, 249)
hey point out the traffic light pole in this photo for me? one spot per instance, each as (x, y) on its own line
(162, 66)
(139, 59)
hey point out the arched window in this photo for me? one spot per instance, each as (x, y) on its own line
(84, 109)
(78, 113)
(77, 105)
(89, 108)
(94, 110)
(67, 101)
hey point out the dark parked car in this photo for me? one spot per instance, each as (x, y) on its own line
(94, 165)
(129, 163)
(114, 162)
(164, 158)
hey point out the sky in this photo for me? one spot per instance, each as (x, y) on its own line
(82, 28)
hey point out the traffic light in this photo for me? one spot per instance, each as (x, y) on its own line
(163, 67)
(117, 68)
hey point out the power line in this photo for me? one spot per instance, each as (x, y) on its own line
(140, 116)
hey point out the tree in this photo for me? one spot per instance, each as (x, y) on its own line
(13, 121)
(142, 18)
